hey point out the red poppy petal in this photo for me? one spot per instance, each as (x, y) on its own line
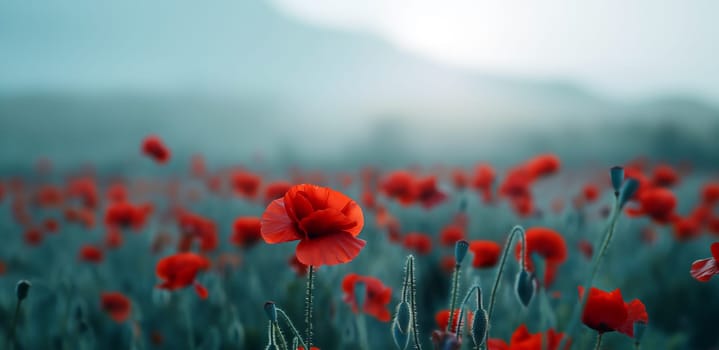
(326, 221)
(635, 312)
(201, 291)
(277, 227)
(703, 270)
(330, 249)
(715, 250)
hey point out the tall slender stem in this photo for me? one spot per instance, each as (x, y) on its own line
(453, 298)
(14, 324)
(503, 261)
(188, 321)
(308, 305)
(294, 330)
(413, 301)
(599, 342)
(362, 330)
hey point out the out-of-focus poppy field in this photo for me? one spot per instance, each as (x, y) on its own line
(326, 188)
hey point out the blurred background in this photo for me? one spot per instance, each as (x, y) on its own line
(392, 82)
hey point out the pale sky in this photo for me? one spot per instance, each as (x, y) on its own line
(636, 48)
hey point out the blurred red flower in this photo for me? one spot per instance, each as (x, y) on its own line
(419, 242)
(549, 245)
(377, 296)
(180, 270)
(116, 305)
(486, 253)
(246, 231)
(450, 235)
(442, 319)
(153, 147)
(246, 184)
(91, 254)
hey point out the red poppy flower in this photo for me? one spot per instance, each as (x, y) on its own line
(180, 270)
(657, 203)
(523, 340)
(116, 305)
(194, 226)
(543, 165)
(246, 231)
(276, 189)
(450, 235)
(590, 193)
(442, 319)
(50, 225)
(117, 192)
(377, 296)
(686, 228)
(496, 344)
(710, 193)
(419, 242)
(549, 245)
(428, 194)
(127, 215)
(484, 176)
(703, 270)
(85, 189)
(586, 248)
(326, 223)
(48, 196)
(607, 312)
(153, 147)
(246, 184)
(636, 312)
(486, 253)
(664, 176)
(399, 185)
(33, 236)
(91, 254)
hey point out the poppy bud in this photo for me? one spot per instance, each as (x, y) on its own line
(479, 326)
(524, 287)
(402, 317)
(360, 294)
(401, 339)
(617, 175)
(630, 186)
(22, 289)
(639, 328)
(271, 311)
(460, 251)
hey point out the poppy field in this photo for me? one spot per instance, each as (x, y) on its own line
(535, 255)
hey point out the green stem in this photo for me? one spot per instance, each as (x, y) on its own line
(362, 330)
(606, 239)
(308, 305)
(278, 331)
(294, 330)
(413, 301)
(503, 261)
(14, 324)
(190, 328)
(453, 302)
(599, 342)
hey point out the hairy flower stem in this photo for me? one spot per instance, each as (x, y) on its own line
(294, 330)
(503, 261)
(582, 302)
(453, 298)
(308, 306)
(412, 293)
(599, 342)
